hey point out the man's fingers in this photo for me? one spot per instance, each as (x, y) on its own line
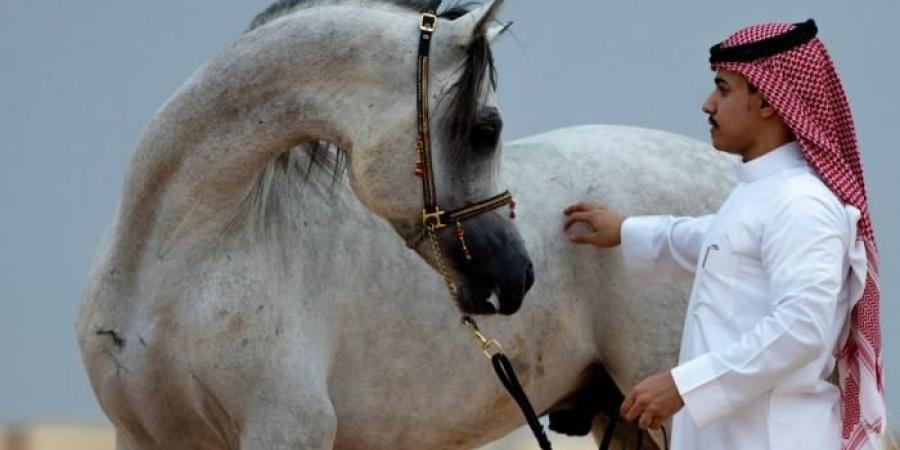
(577, 217)
(647, 419)
(581, 206)
(582, 238)
(634, 410)
(626, 404)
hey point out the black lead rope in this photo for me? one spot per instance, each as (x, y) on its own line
(611, 428)
(508, 377)
(608, 432)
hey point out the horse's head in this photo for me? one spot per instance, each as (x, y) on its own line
(345, 72)
(465, 122)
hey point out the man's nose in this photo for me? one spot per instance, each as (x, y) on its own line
(709, 106)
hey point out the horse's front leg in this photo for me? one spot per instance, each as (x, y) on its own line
(123, 444)
(296, 421)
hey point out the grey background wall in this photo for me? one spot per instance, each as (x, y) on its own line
(79, 81)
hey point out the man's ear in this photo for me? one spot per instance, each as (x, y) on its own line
(765, 109)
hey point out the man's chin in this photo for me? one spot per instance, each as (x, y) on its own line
(724, 148)
(716, 143)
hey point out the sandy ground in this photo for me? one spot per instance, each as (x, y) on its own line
(76, 437)
(57, 437)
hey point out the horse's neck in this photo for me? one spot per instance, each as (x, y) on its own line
(201, 155)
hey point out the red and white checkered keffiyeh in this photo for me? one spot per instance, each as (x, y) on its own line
(802, 85)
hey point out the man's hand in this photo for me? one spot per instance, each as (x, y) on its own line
(653, 400)
(606, 224)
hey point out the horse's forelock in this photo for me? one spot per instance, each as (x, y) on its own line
(465, 99)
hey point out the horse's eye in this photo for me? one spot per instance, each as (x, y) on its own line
(485, 135)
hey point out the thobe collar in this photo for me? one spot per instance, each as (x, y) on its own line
(788, 156)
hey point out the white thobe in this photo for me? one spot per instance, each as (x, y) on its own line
(776, 272)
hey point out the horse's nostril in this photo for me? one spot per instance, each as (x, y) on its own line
(529, 278)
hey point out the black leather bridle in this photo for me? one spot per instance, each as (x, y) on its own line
(433, 217)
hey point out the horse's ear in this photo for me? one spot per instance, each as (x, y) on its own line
(496, 30)
(476, 23)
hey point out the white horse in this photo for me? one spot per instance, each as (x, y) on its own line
(243, 300)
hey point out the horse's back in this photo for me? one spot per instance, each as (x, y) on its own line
(638, 170)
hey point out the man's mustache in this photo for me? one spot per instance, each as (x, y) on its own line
(713, 122)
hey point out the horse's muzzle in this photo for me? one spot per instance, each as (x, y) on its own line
(499, 267)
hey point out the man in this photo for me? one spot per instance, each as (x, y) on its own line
(784, 273)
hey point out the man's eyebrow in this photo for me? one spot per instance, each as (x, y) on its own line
(720, 82)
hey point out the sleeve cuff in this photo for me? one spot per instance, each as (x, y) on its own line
(638, 236)
(704, 398)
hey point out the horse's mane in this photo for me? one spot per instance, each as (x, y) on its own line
(479, 62)
(282, 7)
(300, 163)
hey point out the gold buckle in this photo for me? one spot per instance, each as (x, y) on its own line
(432, 220)
(429, 22)
(486, 343)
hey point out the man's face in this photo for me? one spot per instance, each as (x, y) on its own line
(733, 113)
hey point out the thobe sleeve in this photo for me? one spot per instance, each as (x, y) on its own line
(802, 251)
(663, 246)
